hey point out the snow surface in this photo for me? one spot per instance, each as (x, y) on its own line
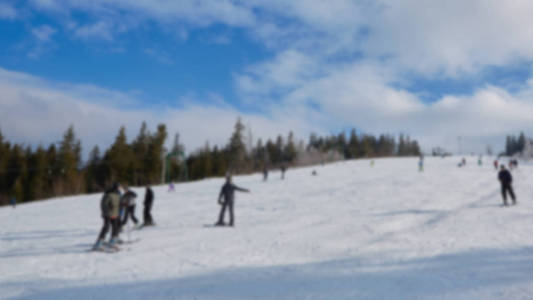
(351, 232)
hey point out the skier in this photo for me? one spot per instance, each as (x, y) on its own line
(148, 202)
(421, 164)
(226, 199)
(479, 161)
(265, 173)
(495, 164)
(283, 169)
(505, 178)
(13, 201)
(171, 187)
(110, 214)
(128, 202)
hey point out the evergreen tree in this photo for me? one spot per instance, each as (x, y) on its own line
(236, 148)
(290, 149)
(353, 145)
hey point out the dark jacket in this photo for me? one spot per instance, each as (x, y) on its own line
(110, 204)
(128, 199)
(148, 197)
(505, 177)
(228, 192)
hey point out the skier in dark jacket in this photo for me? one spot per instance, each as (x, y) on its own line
(148, 203)
(128, 202)
(109, 206)
(505, 178)
(265, 173)
(226, 199)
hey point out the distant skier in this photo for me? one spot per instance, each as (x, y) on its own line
(128, 202)
(496, 163)
(171, 187)
(226, 199)
(109, 206)
(265, 173)
(283, 169)
(505, 178)
(479, 161)
(13, 201)
(314, 173)
(372, 163)
(148, 203)
(421, 164)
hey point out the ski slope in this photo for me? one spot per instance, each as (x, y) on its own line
(351, 232)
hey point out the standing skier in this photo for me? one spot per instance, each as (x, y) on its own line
(226, 199)
(421, 164)
(128, 200)
(148, 202)
(283, 169)
(265, 173)
(13, 201)
(505, 178)
(109, 206)
(496, 164)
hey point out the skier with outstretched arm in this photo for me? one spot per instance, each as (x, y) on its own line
(109, 206)
(226, 199)
(505, 178)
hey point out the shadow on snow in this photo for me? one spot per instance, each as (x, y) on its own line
(447, 276)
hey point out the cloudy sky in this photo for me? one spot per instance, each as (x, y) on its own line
(435, 70)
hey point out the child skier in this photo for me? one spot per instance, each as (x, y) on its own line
(226, 199)
(128, 200)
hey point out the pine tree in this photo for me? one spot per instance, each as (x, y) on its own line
(290, 149)
(237, 149)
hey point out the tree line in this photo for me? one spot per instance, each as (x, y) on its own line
(58, 170)
(514, 144)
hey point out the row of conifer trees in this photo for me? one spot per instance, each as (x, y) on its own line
(38, 173)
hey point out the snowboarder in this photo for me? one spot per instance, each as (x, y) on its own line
(226, 199)
(109, 206)
(128, 203)
(505, 178)
(13, 201)
(283, 169)
(148, 203)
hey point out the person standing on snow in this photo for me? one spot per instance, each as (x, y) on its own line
(226, 199)
(128, 200)
(505, 178)
(421, 164)
(265, 173)
(109, 206)
(148, 203)
(13, 201)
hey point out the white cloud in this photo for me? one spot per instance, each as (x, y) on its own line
(100, 30)
(33, 111)
(43, 33)
(7, 11)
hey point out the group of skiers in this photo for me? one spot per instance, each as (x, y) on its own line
(117, 205)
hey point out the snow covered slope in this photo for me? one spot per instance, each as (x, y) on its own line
(351, 232)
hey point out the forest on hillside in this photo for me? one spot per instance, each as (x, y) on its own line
(30, 174)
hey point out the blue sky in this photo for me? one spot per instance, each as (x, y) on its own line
(435, 71)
